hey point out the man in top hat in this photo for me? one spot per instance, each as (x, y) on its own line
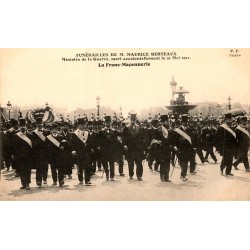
(8, 145)
(40, 152)
(56, 154)
(208, 139)
(69, 161)
(118, 154)
(80, 144)
(133, 142)
(182, 140)
(242, 138)
(226, 144)
(23, 152)
(107, 149)
(162, 143)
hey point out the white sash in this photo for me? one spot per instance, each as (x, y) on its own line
(183, 134)
(165, 132)
(25, 138)
(243, 130)
(228, 129)
(84, 137)
(53, 140)
(40, 134)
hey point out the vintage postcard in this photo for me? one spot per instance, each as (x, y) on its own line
(156, 124)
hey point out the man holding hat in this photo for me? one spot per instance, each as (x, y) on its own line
(23, 151)
(133, 142)
(56, 154)
(40, 152)
(242, 138)
(226, 144)
(80, 145)
(183, 143)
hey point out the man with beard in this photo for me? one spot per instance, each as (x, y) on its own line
(133, 142)
(242, 138)
(107, 149)
(23, 153)
(68, 163)
(40, 152)
(161, 143)
(226, 144)
(55, 155)
(80, 145)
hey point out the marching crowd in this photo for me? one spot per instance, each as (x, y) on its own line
(98, 144)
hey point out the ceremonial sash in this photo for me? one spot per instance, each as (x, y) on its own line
(243, 130)
(165, 132)
(83, 138)
(228, 129)
(183, 134)
(53, 140)
(25, 138)
(40, 134)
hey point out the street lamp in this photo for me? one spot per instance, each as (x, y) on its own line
(218, 109)
(173, 84)
(229, 103)
(98, 105)
(209, 109)
(9, 107)
(74, 116)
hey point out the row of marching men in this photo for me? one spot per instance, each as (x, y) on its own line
(161, 142)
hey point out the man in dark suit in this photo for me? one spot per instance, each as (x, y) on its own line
(55, 154)
(133, 142)
(226, 144)
(80, 145)
(162, 144)
(208, 139)
(40, 152)
(69, 162)
(23, 153)
(242, 138)
(107, 149)
(182, 141)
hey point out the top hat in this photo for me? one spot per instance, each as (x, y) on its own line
(228, 116)
(184, 118)
(39, 120)
(81, 121)
(164, 118)
(133, 117)
(107, 119)
(22, 122)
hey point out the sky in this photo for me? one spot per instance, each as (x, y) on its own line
(37, 76)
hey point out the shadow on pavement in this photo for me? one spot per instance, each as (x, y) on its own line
(83, 188)
(112, 183)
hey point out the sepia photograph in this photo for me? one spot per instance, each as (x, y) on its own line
(125, 124)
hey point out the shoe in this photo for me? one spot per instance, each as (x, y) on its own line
(80, 182)
(194, 172)
(183, 178)
(39, 184)
(22, 187)
(162, 180)
(122, 174)
(27, 188)
(54, 183)
(230, 174)
(88, 183)
(248, 170)
(131, 177)
(45, 182)
(99, 169)
(107, 178)
(139, 178)
(236, 168)
(206, 160)
(70, 176)
(112, 179)
(221, 172)
(150, 168)
(167, 180)
(61, 183)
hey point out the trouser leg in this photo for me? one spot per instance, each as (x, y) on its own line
(87, 173)
(106, 168)
(228, 160)
(112, 168)
(139, 168)
(200, 154)
(131, 167)
(45, 171)
(80, 172)
(120, 163)
(53, 172)
(192, 162)
(184, 167)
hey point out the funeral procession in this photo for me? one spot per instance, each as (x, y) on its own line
(97, 154)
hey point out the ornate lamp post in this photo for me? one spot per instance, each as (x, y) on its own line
(98, 105)
(229, 103)
(74, 116)
(9, 107)
(209, 110)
